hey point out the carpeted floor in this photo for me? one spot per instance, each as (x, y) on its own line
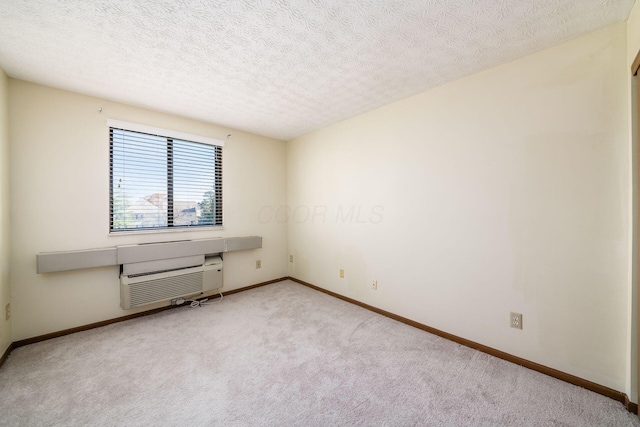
(281, 355)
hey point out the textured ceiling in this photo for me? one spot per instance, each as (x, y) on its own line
(276, 67)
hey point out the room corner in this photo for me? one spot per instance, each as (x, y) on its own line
(5, 229)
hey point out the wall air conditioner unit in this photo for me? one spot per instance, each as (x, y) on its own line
(157, 280)
(142, 289)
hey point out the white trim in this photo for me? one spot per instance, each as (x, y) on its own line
(163, 132)
(167, 230)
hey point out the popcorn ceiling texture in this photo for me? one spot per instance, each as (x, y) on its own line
(277, 68)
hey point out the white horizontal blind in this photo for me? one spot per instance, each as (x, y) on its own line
(159, 182)
(169, 133)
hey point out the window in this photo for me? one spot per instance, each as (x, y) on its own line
(161, 179)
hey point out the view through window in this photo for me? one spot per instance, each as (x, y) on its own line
(159, 182)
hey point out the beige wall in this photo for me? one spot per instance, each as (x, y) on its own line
(5, 230)
(60, 201)
(508, 190)
(633, 33)
(633, 46)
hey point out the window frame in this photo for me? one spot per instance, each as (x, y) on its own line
(169, 135)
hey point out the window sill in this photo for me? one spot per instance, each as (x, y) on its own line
(166, 230)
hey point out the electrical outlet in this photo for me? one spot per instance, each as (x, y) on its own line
(7, 311)
(341, 273)
(515, 320)
(374, 285)
(290, 258)
(258, 264)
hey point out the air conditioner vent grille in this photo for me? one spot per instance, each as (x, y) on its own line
(162, 289)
